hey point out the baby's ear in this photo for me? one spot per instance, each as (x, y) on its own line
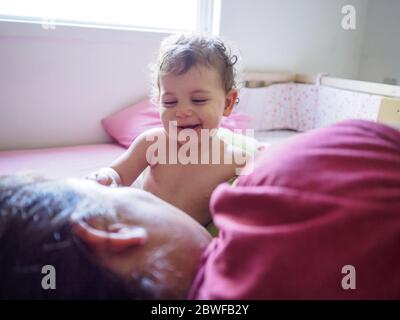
(117, 238)
(230, 101)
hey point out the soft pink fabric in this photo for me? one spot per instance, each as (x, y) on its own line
(61, 162)
(326, 199)
(126, 125)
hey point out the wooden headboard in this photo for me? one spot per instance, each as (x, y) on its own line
(263, 79)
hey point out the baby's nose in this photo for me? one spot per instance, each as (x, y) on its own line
(183, 111)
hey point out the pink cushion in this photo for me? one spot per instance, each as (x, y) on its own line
(125, 125)
(324, 200)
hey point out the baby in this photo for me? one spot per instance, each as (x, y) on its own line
(194, 88)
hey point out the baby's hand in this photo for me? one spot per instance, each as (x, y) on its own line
(100, 178)
(105, 176)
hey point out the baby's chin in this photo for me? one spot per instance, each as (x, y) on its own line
(191, 134)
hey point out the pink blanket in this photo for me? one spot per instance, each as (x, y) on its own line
(63, 162)
(326, 200)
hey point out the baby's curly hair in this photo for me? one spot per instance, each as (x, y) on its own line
(180, 52)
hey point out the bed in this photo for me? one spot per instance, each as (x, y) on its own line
(62, 162)
(78, 161)
(280, 105)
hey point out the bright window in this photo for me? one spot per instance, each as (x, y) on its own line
(143, 14)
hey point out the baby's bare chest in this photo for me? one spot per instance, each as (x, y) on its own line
(187, 187)
(191, 175)
(188, 181)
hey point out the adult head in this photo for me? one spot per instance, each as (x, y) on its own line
(104, 243)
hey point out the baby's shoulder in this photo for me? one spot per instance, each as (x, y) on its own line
(237, 159)
(152, 135)
(236, 152)
(153, 132)
(144, 140)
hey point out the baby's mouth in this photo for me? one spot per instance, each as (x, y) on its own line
(193, 127)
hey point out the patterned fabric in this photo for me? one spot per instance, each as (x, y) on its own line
(303, 107)
(335, 105)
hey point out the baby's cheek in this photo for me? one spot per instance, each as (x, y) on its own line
(164, 118)
(215, 120)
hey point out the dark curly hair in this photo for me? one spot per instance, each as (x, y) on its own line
(35, 231)
(180, 52)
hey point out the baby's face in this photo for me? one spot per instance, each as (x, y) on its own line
(195, 100)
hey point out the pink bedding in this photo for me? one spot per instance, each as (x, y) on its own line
(63, 162)
(78, 161)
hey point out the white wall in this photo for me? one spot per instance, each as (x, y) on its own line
(295, 35)
(380, 56)
(56, 85)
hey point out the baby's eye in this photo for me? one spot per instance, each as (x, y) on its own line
(169, 104)
(199, 101)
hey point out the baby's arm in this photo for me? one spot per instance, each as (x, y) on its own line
(125, 169)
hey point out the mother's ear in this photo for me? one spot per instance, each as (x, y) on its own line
(117, 238)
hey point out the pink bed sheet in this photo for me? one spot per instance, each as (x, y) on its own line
(62, 162)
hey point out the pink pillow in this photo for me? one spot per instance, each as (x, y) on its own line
(125, 125)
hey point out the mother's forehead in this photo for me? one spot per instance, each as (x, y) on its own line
(126, 200)
(118, 197)
(90, 186)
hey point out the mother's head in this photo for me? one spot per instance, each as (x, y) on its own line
(104, 243)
